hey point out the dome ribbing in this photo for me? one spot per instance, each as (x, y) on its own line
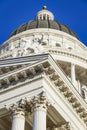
(44, 19)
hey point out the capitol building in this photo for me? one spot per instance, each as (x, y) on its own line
(43, 77)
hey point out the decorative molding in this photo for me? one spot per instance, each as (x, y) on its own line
(19, 107)
(65, 126)
(27, 105)
(68, 54)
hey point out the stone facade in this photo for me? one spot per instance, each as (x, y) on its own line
(43, 80)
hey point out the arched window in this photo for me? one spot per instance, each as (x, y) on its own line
(70, 48)
(44, 43)
(58, 45)
(30, 50)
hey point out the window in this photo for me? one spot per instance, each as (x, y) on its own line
(7, 48)
(44, 17)
(44, 43)
(30, 50)
(58, 45)
(69, 48)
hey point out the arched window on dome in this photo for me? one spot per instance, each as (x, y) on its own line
(30, 50)
(44, 43)
(58, 45)
(70, 48)
(7, 48)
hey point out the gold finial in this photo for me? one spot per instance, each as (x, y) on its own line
(44, 7)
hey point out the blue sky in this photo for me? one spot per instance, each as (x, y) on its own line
(72, 13)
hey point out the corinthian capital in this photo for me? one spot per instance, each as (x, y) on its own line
(40, 101)
(19, 107)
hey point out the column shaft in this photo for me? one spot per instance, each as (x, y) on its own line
(73, 76)
(39, 119)
(18, 121)
(39, 112)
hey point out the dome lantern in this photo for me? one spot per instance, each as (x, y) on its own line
(44, 14)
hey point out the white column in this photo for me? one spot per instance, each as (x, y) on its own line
(18, 120)
(73, 75)
(39, 114)
(79, 86)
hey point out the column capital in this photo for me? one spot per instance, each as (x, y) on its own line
(40, 102)
(18, 116)
(19, 107)
(17, 112)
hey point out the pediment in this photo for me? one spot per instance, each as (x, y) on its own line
(14, 64)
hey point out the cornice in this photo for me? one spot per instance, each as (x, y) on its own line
(67, 53)
(23, 60)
